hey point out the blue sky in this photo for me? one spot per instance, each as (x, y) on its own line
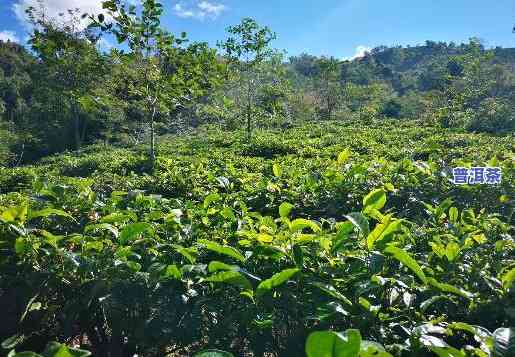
(330, 27)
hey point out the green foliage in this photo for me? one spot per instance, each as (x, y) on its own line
(256, 247)
(328, 90)
(342, 229)
(332, 344)
(247, 48)
(478, 95)
(51, 100)
(166, 74)
(53, 349)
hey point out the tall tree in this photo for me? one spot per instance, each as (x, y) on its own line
(247, 48)
(170, 74)
(328, 90)
(70, 64)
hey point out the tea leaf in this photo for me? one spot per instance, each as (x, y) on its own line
(403, 256)
(222, 249)
(275, 281)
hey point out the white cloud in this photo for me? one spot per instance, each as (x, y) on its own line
(360, 52)
(55, 7)
(211, 9)
(8, 36)
(201, 10)
(183, 12)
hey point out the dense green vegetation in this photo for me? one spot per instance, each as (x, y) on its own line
(171, 200)
(92, 245)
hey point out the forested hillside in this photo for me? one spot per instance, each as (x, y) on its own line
(404, 83)
(166, 198)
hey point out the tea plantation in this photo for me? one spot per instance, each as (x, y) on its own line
(326, 239)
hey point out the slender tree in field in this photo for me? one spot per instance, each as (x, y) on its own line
(169, 72)
(247, 48)
(328, 90)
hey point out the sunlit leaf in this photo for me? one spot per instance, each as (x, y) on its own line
(374, 200)
(360, 222)
(285, 209)
(403, 256)
(222, 249)
(450, 288)
(47, 212)
(133, 231)
(508, 278)
(275, 281)
(333, 344)
(300, 224)
(277, 170)
(230, 277)
(343, 157)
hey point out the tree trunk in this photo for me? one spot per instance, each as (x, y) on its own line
(249, 129)
(152, 138)
(76, 127)
(83, 131)
(249, 109)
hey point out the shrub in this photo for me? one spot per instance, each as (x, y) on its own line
(493, 116)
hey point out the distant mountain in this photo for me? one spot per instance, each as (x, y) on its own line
(418, 68)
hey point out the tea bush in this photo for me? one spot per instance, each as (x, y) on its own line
(327, 239)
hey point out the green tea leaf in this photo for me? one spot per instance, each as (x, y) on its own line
(450, 288)
(300, 224)
(331, 291)
(217, 266)
(132, 231)
(172, 272)
(189, 253)
(13, 341)
(230, 277)
(343, 157)
(427, 303)
(222, 249)
(213, 353)
(277, 170)
(508, 278)
(55, 349)
(374, 200)
(15, 213)
(403, 256)
(214, 197)
(47, 212)
(383, 232)
(333, 344)
(275, 281)
(118, 217)
(21, 245)
(447, 351)
(228, 214)
(453, 214)
(360, 222)
(102, 226)
(285, 209)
